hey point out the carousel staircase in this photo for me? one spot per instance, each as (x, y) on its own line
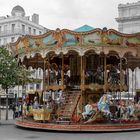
(67, 110)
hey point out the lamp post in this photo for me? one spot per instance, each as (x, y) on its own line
(0, 107)
(0, 98)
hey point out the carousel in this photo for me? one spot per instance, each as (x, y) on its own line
(84, 77)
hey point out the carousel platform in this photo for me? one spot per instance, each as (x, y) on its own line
(109, 127)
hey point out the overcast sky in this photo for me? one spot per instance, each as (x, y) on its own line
(69, 13)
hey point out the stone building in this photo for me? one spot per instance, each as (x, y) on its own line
(18, 24)
(129, 17)
(129, 22)
(15, 25)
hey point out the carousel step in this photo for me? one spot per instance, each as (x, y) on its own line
(68, 103)
(67, 111)
(65, 118)
(65, 115)
(63, 122)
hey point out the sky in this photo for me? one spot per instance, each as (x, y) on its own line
(69, 14)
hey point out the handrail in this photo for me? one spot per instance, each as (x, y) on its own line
(76, 104)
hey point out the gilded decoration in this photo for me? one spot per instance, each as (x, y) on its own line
(64, 40)
(58, 36)
(94, 86)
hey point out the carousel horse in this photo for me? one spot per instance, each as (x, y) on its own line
(103, 104)
(103, 108)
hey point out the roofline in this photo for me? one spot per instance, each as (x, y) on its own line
(75, 33)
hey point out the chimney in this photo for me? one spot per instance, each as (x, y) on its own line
(35, 18)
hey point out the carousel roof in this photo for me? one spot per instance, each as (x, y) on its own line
(81, 40)
(84, 28)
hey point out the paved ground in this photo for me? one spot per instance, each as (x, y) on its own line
(8, 131)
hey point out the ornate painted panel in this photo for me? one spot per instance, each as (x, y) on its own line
(92, 39)
(49, 40)
(63, 40)
(70, 39)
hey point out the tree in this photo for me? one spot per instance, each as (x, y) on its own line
(12, 74)
(9, 72)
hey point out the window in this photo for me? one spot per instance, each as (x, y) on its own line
(5, 27)
(39, 72)
(33, 73)
(34, 31)
(20, 91)
(23, 29)
(12, 39)
(13, 27)
(37, 86)
(40, 32)
(31, 86)
(5, 41)
(29, 29)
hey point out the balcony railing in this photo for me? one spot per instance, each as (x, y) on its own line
(14, 32)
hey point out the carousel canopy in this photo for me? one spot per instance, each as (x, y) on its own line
(81, 40)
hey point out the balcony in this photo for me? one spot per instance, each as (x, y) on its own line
(14, 32)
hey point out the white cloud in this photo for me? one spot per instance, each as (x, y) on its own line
(68, 13)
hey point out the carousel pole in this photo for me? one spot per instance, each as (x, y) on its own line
(44, 85)
(82, 80)
(82, 73)
(36, 74)
(121, 75)
(132, 83)
(62, 72)
(105, 74)
(86, 81)
(120, 83)
(44, 74)
(102, 67)
(127, 72)
(135, 81)
(48, 71)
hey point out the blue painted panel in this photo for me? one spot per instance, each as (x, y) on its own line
(70, 40)
(49, 40)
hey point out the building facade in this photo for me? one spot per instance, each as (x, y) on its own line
(129, 17)
(129, 22)
(14, 26)
(17, 24)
